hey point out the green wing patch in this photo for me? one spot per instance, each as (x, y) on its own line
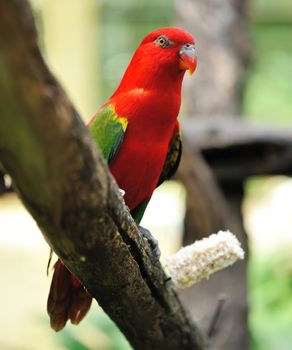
(172, 158)
(108, 130)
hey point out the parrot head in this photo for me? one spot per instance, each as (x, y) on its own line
(160, 61)
(171, 47)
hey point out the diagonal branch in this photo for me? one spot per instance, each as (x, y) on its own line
(66, 186)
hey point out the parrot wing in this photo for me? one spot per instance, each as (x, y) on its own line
(108, 130)
(172, 158)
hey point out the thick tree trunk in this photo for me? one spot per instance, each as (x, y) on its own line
(224, 50)
(206, 207)
(219, 27)
(64, 183)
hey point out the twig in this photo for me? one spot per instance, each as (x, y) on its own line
(216, 316)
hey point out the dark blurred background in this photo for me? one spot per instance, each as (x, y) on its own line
(88, 44)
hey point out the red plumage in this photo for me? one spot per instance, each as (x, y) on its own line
(149, 95)
(149, 98)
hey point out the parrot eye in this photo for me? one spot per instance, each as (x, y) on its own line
(162, 41)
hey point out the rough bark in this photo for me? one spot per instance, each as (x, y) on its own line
(64, 183)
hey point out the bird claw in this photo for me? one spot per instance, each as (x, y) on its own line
(153, 243)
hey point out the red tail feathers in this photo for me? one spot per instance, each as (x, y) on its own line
(67, 300)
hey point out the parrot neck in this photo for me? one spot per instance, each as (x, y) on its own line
(150, 94)
(151, 77)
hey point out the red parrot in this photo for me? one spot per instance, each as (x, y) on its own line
(138, 133)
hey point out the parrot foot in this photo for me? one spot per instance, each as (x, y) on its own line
(153, 243)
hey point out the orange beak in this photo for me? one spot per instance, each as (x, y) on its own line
(188, 58)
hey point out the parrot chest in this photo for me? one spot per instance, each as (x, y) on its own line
(138, 165)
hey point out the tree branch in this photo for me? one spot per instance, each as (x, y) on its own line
(65, 184)
(236, 150)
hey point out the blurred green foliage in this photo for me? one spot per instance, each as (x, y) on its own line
(271, 11)
(269, 88)
(268, 99)
(268, 92)
(270, 290)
